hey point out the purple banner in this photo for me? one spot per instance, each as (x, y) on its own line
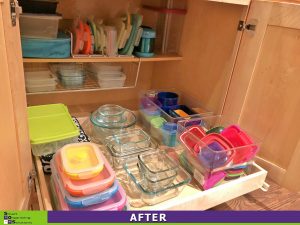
(174, 216)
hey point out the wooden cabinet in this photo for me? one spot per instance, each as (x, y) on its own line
(239, 58)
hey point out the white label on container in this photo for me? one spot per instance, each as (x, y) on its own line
(199, 177)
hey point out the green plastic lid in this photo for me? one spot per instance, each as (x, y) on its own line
(49, 123)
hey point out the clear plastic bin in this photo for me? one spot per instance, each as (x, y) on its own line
(39, 81)
(137, 186)
(39, 25)
(156, 108)
(215, 145)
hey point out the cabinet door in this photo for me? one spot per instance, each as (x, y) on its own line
(264, 94)
(15, 156)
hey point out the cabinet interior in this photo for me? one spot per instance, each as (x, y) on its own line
(207, 52)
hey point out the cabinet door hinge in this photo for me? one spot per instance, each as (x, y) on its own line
(30, 179)
(15, 10)
(243, 26)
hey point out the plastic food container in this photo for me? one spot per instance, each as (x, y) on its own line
(72, 75)
(39, 6)
(102, 129)
(85, 201)
(101, 182)
(146, 45)
(39, 25)
(129, 141)
(158, 169)
(216, 151)
(39, 81)
(116, 203)
(139, 185)
(112, 80)
(50, 128)
(81, 160)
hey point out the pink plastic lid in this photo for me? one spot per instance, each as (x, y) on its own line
(190, 137)
(213, 179)
(239, 138)
(116, 203)
(101, 182)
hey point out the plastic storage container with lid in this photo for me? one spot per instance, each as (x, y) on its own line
(111, 80)
(36, 81)
(50, 128)
(85, 201)
(81, 160)
(72, 75)
(39, 25)
(116, 203)
(101, 182)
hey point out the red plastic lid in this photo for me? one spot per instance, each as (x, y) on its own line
(87, 38)
(78, 34)
(192, 136)
(239, 138)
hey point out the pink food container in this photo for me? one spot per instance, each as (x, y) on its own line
(116, 203)
(101, 182)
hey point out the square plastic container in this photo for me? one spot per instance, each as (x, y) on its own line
(129, 141)
(81, 160)
(39, 81)
(138, 186)
(39, 25)
(101, 182)
(116, 203)
(111, 80)
(222, 147)
(85, 201)
(50, 128)
(157, 166)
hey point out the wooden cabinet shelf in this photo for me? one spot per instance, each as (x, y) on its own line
(156, 58)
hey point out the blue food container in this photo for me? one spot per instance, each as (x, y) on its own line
(146, 45)
(47, 48)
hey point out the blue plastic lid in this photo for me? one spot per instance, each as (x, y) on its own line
(148, 33)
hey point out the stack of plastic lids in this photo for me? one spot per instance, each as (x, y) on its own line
(82, 179)
(108, 75)
(39, 81)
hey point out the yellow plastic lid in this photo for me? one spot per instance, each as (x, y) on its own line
(49, 123)
(81, 160)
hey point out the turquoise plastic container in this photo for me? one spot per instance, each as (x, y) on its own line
(47, 48)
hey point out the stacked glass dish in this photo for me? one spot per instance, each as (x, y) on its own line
(110, 119)
(215, 150)
(155, 178)
(128, 145)
(82, 179)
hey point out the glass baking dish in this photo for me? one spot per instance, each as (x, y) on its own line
(158, 167)
(118, 160)
(216, 144)
(130, 141)
(139, 186)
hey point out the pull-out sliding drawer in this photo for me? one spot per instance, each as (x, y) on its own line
(190, 198)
